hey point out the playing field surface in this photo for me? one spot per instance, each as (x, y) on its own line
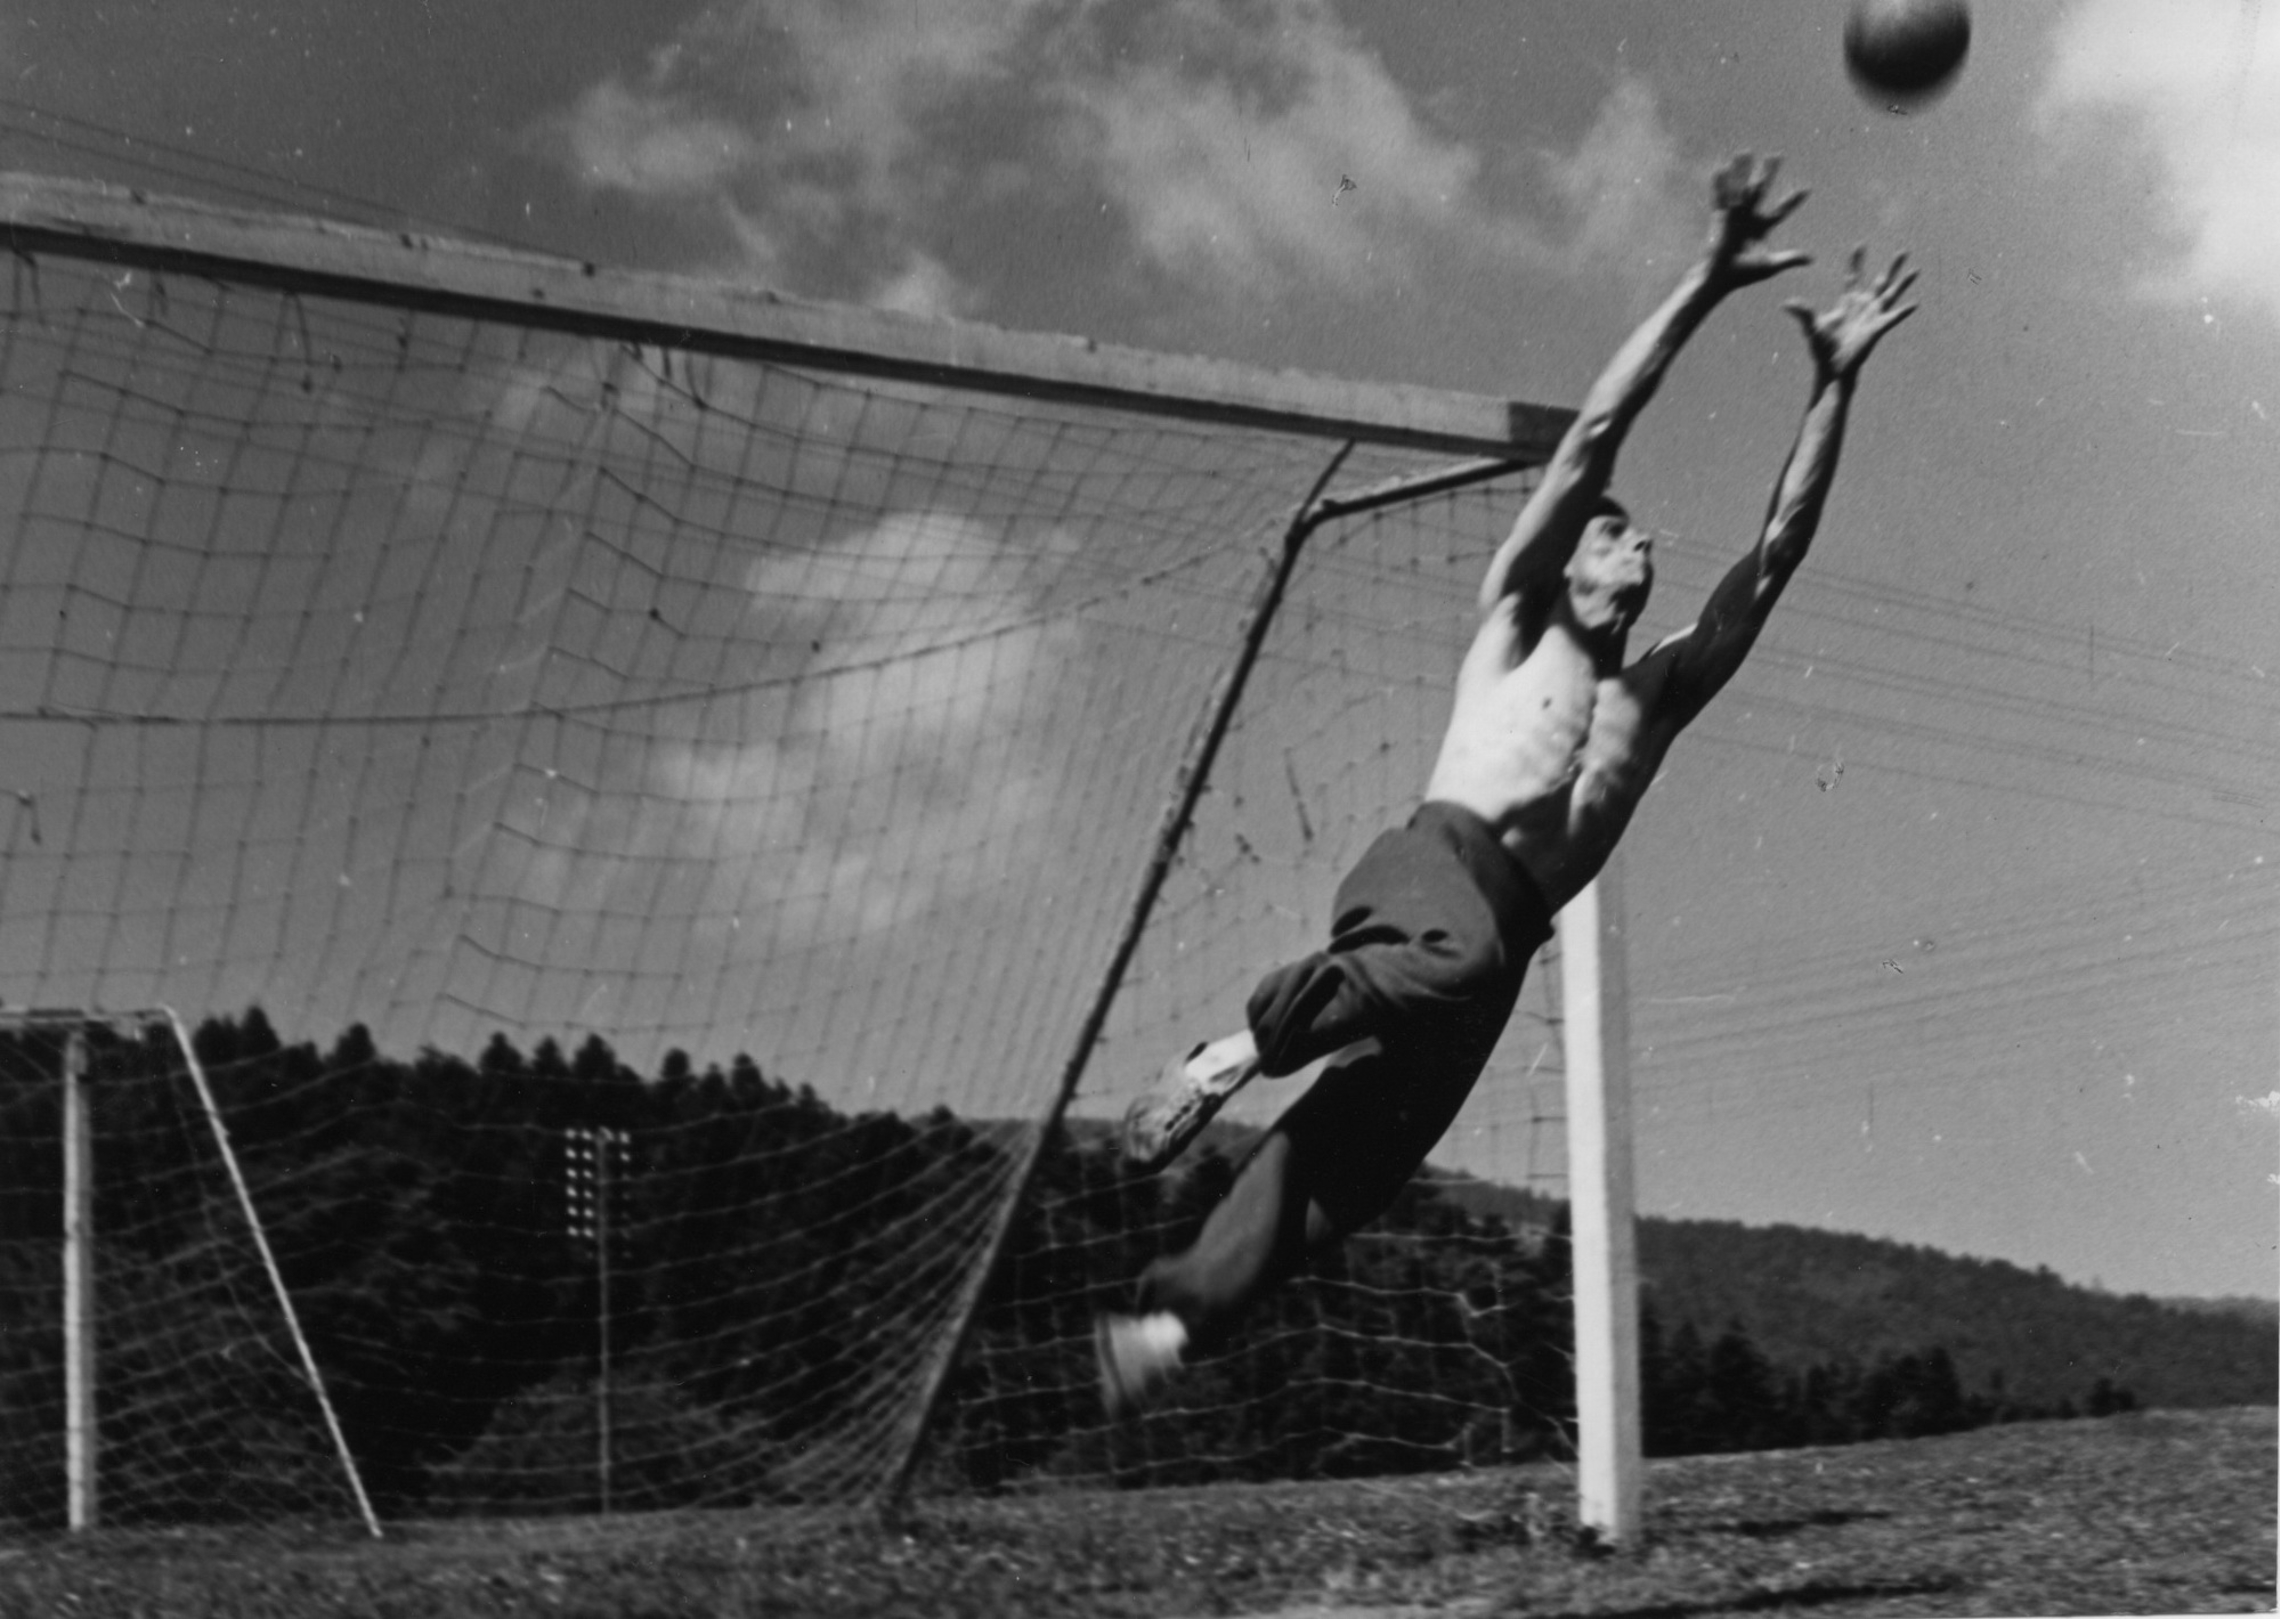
(2150, 1512)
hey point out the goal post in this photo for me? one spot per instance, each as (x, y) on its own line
(557, 699)
(1594, 983)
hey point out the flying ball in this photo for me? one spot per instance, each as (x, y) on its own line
(1906, 50)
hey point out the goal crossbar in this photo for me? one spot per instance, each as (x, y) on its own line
(405, 270)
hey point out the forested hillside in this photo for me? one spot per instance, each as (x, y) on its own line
(762, 1247)
(1804, 1296)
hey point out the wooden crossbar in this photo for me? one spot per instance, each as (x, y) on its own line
(406, 270)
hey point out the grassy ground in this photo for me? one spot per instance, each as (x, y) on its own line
(2153, 1512)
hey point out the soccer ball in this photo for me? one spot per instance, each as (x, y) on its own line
(1906, 49)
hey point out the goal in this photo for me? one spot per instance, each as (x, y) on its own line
(680, 815)
(155, 1368)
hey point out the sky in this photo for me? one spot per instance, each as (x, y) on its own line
(1954, 920)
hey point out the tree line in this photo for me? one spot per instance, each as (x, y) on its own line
(768, 1256)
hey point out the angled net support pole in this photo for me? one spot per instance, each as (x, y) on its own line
(269, 1264)
(1601, 1210)
(1187, 788)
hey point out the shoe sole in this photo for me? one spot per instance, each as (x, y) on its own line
(1160, 1125)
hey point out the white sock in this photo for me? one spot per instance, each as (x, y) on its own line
(1164, 1336)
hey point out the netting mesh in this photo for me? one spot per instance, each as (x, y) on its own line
(548, 734)
(1440, 1336)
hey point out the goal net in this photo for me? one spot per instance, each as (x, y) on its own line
(500, 703)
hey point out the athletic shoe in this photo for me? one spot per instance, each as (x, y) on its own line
(1173, 1111)
(1138, 1355)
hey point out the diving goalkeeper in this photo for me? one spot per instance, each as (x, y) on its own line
(1552, 740)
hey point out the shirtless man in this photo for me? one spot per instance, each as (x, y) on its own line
(1552, 741)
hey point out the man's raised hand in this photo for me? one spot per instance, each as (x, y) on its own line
(1841, 338)
(1738, 255)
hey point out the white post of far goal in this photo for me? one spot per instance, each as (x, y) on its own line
(1595, 1012)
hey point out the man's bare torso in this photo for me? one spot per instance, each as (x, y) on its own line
(1550, 748)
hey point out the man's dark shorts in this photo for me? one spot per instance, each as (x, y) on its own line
(1431, 937)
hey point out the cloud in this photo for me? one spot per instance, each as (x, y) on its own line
(888, 742)
(909, 769)
(924, 286)
(870, 73)
(913, 752)
(1309, 161)
(644, 141)
(2199, 80)
(1296, 154)
(1631, 199)
(1247, 149)
(799, 124)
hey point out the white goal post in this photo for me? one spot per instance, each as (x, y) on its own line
(1610, 1466)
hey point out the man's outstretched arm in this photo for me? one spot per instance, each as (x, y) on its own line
(1707, 653)
(1553, 520)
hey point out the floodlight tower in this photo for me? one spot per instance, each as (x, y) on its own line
(593, 1160)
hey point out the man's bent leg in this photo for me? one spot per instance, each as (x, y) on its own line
(1430, 933)
(1257, 1236)
(1287, 1202)
(1331, 1164)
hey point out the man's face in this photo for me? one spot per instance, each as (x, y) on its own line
(1611, 572)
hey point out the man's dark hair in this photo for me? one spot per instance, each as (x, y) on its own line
(1609, 506)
